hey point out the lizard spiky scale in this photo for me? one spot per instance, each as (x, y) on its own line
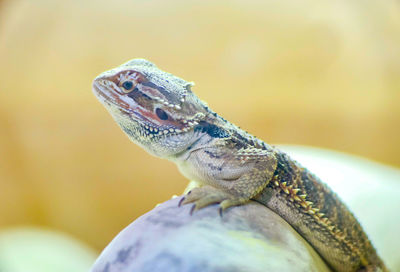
(159, 112)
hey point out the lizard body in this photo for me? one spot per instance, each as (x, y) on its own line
(159, 112)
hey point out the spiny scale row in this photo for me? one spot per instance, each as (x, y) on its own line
(153, 131)
(192, 122)
(166, 103)
(307, 208)
(300, 201)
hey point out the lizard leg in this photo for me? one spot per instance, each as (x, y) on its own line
(258, 171)
(248, 185)
(205, 196)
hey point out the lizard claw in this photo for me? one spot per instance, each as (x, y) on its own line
(180, 201)
(206, 196)
(192, 209)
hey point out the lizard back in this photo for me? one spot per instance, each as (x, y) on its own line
(320, 217)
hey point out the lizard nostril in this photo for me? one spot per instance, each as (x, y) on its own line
(161, 114)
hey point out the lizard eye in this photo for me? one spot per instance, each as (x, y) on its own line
(161, 114)
(127, 85)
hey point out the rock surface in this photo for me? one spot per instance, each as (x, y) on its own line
(247, 238)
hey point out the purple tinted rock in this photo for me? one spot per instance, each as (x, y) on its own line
(247, 238)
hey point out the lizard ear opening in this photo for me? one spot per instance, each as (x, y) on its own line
(161, 114)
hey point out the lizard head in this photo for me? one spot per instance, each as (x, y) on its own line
(157, 110)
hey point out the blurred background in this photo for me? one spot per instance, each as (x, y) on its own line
(324, 74)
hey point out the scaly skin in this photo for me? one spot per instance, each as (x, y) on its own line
(159, 112)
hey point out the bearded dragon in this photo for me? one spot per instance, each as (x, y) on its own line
(159, 112)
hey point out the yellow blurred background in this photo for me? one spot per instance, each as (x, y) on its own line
(319, 73)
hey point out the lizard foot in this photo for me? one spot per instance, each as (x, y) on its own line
(207, 195)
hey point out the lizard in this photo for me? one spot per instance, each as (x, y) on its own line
(159, 112)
